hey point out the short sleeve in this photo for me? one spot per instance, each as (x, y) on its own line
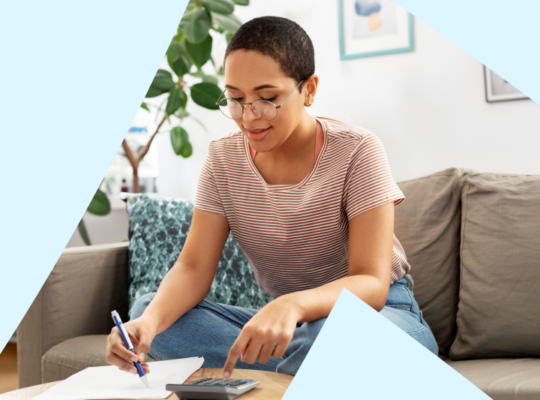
(207, 197)
(369, 182)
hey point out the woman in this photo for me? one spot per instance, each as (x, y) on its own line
(309, 200)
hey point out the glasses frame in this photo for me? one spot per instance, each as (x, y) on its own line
(251, 104)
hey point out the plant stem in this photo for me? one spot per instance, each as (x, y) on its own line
(135, 159)
(136, 188)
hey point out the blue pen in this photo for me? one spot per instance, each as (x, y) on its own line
(127, 341)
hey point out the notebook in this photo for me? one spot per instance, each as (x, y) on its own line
(111, 383)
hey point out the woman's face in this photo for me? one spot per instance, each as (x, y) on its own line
(250, 76)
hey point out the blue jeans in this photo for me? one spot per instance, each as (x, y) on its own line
(209, 329)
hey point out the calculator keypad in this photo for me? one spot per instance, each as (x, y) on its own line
(218, 382)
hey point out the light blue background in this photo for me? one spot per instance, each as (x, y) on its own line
(503, 35)
(72, 77)
(359, 354)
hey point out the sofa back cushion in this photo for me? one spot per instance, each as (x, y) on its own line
(427, 225)
(157, 229)
(499, 301)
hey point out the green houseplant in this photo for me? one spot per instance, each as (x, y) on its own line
(189, 50)
(99, 205)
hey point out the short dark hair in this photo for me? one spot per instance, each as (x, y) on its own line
(280, 38)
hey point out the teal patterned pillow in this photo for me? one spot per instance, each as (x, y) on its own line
(157, 230)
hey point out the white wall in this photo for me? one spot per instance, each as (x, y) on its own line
(110, 228)
(427, 106)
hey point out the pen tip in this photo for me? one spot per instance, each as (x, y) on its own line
(145, 381)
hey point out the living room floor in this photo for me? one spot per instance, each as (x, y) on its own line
(8, 369)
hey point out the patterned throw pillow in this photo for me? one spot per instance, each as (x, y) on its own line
(157, 230)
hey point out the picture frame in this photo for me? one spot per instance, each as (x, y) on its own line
(498, 89)
(370, 28)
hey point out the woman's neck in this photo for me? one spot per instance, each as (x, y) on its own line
(291, 162)
(301, 138)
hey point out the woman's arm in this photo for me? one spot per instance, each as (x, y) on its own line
(371, 237)
(189, 280)
(183, 287)
(270, 331)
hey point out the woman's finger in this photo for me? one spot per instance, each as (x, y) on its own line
(119, 348)
(280, 348)
(141, 341)
(254, 348)
(236, 349)
(146, 368)
(122, 364)
(266, 352)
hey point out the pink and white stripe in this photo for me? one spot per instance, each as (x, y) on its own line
(296, 237)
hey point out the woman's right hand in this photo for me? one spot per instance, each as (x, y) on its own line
(141, 332)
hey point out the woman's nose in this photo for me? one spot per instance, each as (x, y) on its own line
(249, 114)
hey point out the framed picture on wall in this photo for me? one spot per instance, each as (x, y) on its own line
(497, 89)
(373, 27)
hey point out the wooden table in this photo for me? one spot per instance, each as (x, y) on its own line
(272, 386)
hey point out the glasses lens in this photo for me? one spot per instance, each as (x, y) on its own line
(264, 109)
(230, 108)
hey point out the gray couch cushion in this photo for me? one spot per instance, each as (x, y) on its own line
(427, 225)
(503, 378)
(74, 355)
(498, 314)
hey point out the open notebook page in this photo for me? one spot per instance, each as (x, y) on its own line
(111, 383)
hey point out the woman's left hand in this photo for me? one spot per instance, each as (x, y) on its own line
(266, 335)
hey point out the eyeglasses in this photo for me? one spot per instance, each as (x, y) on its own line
(263, 109)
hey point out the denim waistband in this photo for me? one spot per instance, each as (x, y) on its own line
(407, 280)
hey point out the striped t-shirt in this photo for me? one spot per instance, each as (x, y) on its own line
(296, 237)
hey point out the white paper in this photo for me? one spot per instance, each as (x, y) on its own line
(111, 383)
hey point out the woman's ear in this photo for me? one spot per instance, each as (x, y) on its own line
(310, 88)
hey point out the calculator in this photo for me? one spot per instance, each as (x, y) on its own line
(210, 389)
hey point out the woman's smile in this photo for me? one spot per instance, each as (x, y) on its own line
(258, 134)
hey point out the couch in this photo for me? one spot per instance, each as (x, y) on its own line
(472, 239)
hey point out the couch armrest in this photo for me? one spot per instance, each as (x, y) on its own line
(85, 285)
